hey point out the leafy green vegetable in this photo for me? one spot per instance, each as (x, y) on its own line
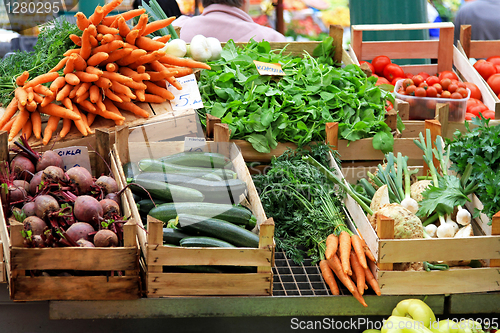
(480, 147)
(52, 42)
(294, 108)
(442, 199)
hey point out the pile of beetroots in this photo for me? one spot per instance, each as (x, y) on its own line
(60, 208)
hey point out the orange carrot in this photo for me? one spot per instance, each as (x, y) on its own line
(66, 127)
(40, 79)
(50, 128)
(105, 30)
(123, 97)
(88, 106)
(42, 90)
(72, 79)
(328, 276)
(109, 47)
(71, 51)
(118, 54)
(132, 46)
(93, 41)
(183, 62)
(157, 76)
(132, 57)
(129, 106)
(141, 69)
(64, 92)
(31, 106)
(157, 25)
(76, 39)
(90, 118)
(110, 107)
(70, 64)
(116, 77)
(67, 103)
(97, 16)
(108, 38)
(332, 243)
(81, 21)
(103, 83)
(170, 79)
(86, 47)
(127, 16)
(336, 266)
(97, 58)
(370, 279)
(80, 125)
(57, 67)
(47, 100)
(8, 125)
(357, 245)
(93, 70)
(57, 84)
(99, 105)
(123, 27)
(21, 95)
(137, 85)
(150, 57)
(80, 63)
(86, 124)
(22, 78)
(148, 44)
(21, 119)
(37, 98)
(9, 112)
(119, 88)
(94, 93)
(164, 39)
(133, 74)
(110, 6)
(58, 111)
(132, 36)
(150, 98)
(183, 71)
(156, 90)
(161, 83)
(84, 87)
(344, 250)
(359, 271)
(31, 94)
(81, 98)
(72, 93)
(111, 67)
(86, 77)
(112, 96)
(140, 95)
(36, 121)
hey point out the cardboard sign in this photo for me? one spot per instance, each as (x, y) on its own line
(75, 156)
(189, 96)
(195, 144)
(265, 68)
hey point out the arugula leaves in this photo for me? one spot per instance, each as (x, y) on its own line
(265, 110)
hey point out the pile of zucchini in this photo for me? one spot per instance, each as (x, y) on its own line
(196, 195)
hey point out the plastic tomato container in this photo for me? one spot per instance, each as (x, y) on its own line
(422, 108)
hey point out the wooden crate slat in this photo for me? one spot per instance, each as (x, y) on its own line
(2, 272)
(416, 49)
(484, 48)
(363, 149)
(74, 258)
(400, 26)
(403, 250)
(171, 256)
(453, 281)
(75, 288)
(189, 284)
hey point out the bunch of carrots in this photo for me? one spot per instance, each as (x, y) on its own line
(114, 66)
(346, 256)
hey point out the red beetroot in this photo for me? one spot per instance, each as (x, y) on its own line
(108, 184)
(53, 174)
(113, 196)
(35, 224)
(105, 238)
(49, 158)
(88, 209)
(109, 207)
(44, 204)
(17, 190)
(29, 209)
(22, 167)
(84, 243)
(35, 181)
(81, 177)
(80, 230)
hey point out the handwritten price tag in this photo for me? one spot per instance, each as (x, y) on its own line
(75, 156)
(265, 68)
(195, 144)
(189, 96)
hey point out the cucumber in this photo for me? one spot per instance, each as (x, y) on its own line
(173, 236)
(155, 165)
(131, 169)
(203, 241)
(234, 214)
(145, 205)
(220, 229)
(223, 191)
(166, 192)
(136, 197)
(198, 159)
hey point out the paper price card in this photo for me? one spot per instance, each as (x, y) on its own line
(195, 144)
(189, 96)
(75, 156)
(265, 68)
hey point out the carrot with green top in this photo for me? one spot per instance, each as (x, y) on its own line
(97, 58)
(97, 16)
(336, 266)
(70, 64)
(183, 62)
(103, 83)
(9, 112)
(81, 21)
(90, 118)
(21, 95)
(57, 84)
(21, 79)
(42, 90)
(129, 106)
(71, 79)
(58, 111)
(109, 20)
(95, 93)
(41, 79)
(79, 124)
(332, 243)
(132, 36)
(357, 245)
(328, 276)
(359, 271)
(50, 128)
(21, 119)
(157, 25)
(344, 251)
(148, 44)
(110, 6)
(105, 30)
(36, 121)
(76, 39)
(123, 28)
(64, 92)
(66, 127)
(141, 24)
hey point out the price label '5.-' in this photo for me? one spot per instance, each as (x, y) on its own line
(189, 96)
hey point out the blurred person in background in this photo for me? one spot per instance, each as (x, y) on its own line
(225, 20)
(483, 16)
(170, 7)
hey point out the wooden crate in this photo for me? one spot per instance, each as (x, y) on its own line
(159, 284)
(94, 287)
(447, 55)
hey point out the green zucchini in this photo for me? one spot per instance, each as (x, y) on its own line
(223, 191)
(136, 197)
(131, 169)
(220, 229)
(166, 192)
(173, 236)
(198, 159)
(203, 241)
(145, 205)
(158, 166)
(234, 214)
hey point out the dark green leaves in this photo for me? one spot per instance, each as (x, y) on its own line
(383, 141)
(444, 199)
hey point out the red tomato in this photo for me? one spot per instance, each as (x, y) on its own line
(407, 82)
(445, 94)
(494, 83)
(456, 95)
(379, 63)
(438, 87)
(382, 80)
(475, 110)
(368, 64)
(488, 114)
(388, 106)
(392, 71)
(497, 68)
(494, 60)
(469, 116)
(396, 80)
(474, 90)
(485, 69)
(408, 75)
(424, 75)
(423, 85)
(447, 74)
(420, 92)
(410, 90)
(472, 102)
(452, 88)
(445, 83)
(417, 79)
(432, 79)
(431, 91)
(463, 92)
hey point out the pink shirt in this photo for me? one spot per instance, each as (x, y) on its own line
(225, 23)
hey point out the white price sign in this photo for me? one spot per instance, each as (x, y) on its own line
(195, 144)
(75, 156)
(189, 96)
